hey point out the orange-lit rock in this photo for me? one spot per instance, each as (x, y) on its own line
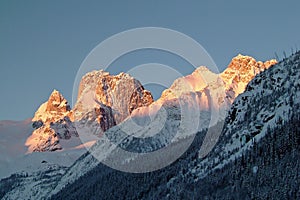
(241, 71)
(105, 100)
(52, 122)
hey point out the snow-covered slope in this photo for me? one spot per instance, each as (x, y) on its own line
(34, 185)
(270, 99)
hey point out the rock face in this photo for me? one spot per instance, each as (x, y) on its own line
(54, 109)
(240, 71)
(122, 93)
(105, 100)
(52, 121)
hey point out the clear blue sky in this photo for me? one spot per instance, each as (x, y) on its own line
(43, 43)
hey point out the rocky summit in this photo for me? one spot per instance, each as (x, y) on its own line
(105, 100)
(241, 70)
(52, 121)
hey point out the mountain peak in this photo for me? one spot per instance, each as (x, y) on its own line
(57, 102)
(241, 70)
(52, 121)
(201, 68)
(242, 62)
(122, 93)
(53, 109)
(247, 63)
(55, 93)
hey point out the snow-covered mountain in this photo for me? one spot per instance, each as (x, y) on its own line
(105, 100)
(257, 155)
(101, 108)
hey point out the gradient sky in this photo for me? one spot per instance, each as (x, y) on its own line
(43, 43)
